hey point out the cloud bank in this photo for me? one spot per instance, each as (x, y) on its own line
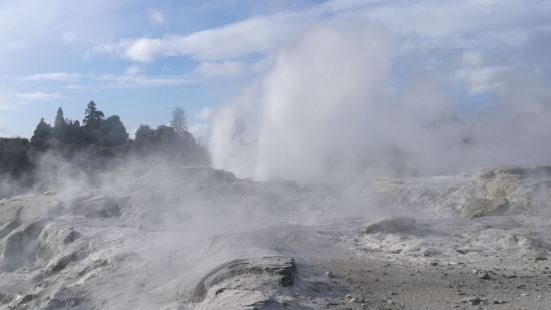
(376, 93)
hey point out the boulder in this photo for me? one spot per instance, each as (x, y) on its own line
(245, 283)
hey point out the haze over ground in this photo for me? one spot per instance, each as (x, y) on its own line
(357, 130)
(329, 80)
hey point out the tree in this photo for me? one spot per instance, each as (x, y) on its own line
(74, 134)
(60, 126)
(145, 135)
(112, 132)
(178, 122)
(14, 159)
(42, 135)
(166, 135)
(92, 116)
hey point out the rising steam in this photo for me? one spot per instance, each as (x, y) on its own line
(344, 101)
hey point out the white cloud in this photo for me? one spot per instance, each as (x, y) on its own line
(52, 77)
(130, 78)
(456, 21)
(74, 86)
(26, 24)
(10, 101)
(157, 17)
(132, 70)
(225, 69)
(482, 79)
(16, 46)
(479, 76)
(472, 59)
(37, 96)
(68, 37)
(142, 81)
(427, 24)
(260, 34)
(143, 50)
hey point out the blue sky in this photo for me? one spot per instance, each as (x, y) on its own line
(140, 59)
(52, 56)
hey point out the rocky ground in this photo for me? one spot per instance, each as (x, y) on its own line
(200, 239)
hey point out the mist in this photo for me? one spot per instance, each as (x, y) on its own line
(344, 100)
(385, 155)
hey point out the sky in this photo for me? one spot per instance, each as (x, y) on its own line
(140, 59)
(66, 53)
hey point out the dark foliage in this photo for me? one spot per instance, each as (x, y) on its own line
(92, 117)
(14, 157)
(100, 143)
(111, 132)
(42, 135)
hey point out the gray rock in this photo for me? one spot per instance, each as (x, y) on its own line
(65, 298)
(21, 300)
(485, 276)
(9, 227)
(22, 245)
(245, 284)
(98, 207)
(62, 262)
(404, 225)
(474, 301)
(280, 267)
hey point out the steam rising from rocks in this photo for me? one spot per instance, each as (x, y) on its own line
(350, 98)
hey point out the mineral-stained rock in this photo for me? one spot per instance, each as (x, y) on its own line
(520, 172)
(480, 207)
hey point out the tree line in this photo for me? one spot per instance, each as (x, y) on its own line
(96, 141)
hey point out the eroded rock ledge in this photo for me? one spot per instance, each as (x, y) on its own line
(245, 283)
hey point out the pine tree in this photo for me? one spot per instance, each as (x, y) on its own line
(92, 116)
(178, 122)
(59, 119)
(42, 135)
(60, 125)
